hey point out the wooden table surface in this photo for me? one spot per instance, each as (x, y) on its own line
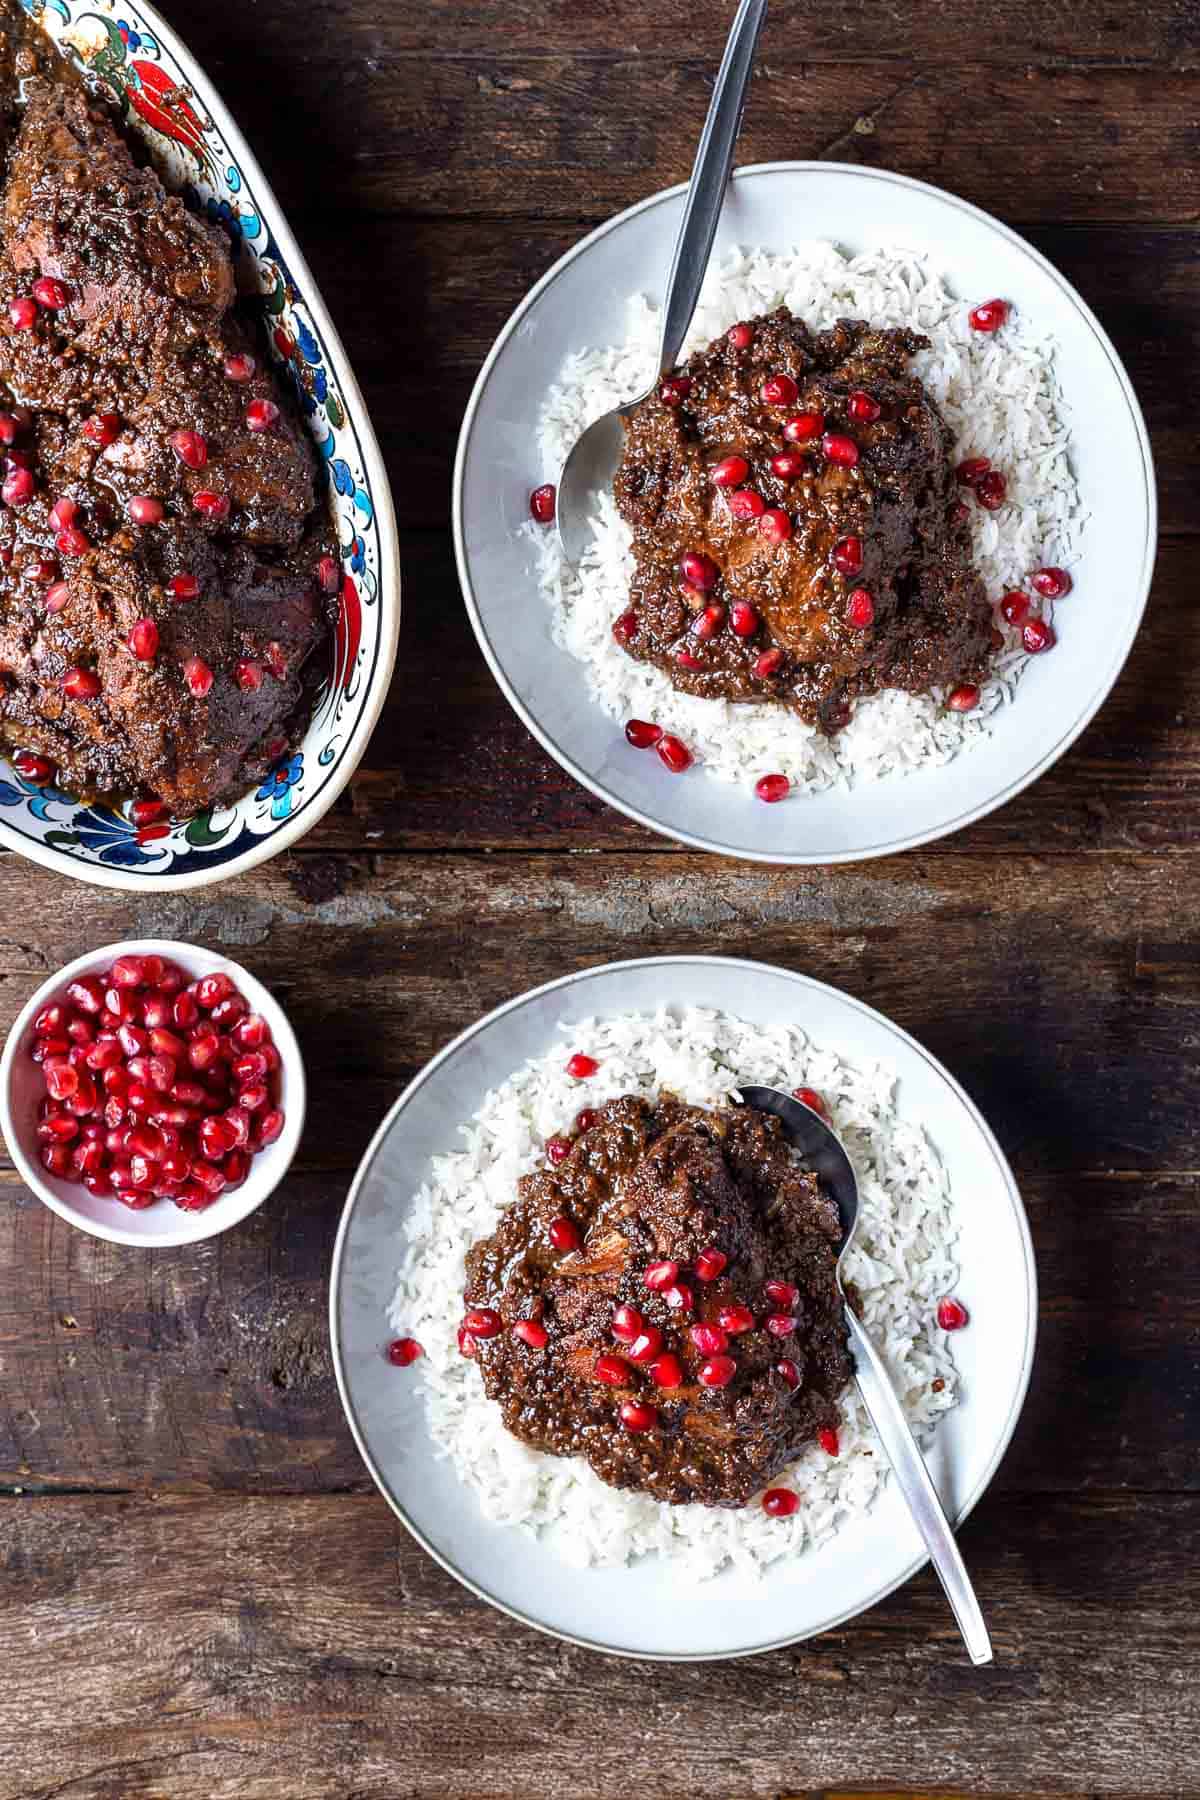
(202, 1596)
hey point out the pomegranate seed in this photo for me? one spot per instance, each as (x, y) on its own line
(1015, 606)
(143, 640)
(564, 1234)
(862, 408)
(804, 428)
(743, 619)
(51, 294)
(198, 676)
(675, 390)
(542, 503)
(699, 571)
(991, 490)
(60, 1129)
(809, 1097)
(679, 1297)
(780, 1503)
(848, 556)
(33, 768)
(44, 570)
(531, 1333)
(9, 428)
(636, 1416)
(627, 1324)
(860, 609)
(191, 1198)
(211, 505)
(217, 1136)
(586, 1118)
(262, 415)
(102, 429)
(782, 1293)
(18, 488)
(148, 1141)
(686, 660)
(674, 753)
(183, 587)
(254, 1096)
(23, 313)
(775, 526)
(837, 448)
(228, 1011)
(625, 629)
(466, 1343)
(951, 1315)
(709, 1264)
(746, 504)
(707, 624)
(641, 734)
(86, 994)
(144, 509)
(556, 1149)
(828, 1440)
(404, 1351)
(741, 336)
(235, 1168)
(709, 1339)
(660, 1275)
(55, 1158)
(613, 1371)
(963, 699)
(735, 1319)
(768, 664)
(482, 1322)
(52, 1018)
(57, 596)
(579, 1066)
(717, 1372)
(81, 684)
(97, 1182)
(1038, 636)
(61, 1078)
(71, 541)
(646, 1345)
(190, 447)
(988, 317)
(971, 471)
(248, 675)
(790, 1373)
(240, 367)
(1051, 583)
(789, 465)
(250, 1033)
(772, 788)
(781, 1324)
(666, 1371)
(148, 812)
(128, 972)
(730, 472)
(211, 989)
(779, 390)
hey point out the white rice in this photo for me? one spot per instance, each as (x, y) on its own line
(999, 394)
(902, 1264)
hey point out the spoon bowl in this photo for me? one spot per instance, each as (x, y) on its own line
(824, 1153)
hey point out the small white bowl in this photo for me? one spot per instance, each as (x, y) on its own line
(163, 1224)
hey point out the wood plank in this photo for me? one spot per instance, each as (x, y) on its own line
(307, 1650)
(359, 32)
(450, 764)
(460, 285)
(208, 1369)
(574, 135)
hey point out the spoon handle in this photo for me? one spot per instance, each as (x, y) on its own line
(887, 1416)
(710, 176)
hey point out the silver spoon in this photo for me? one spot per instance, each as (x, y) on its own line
(594, 457)
(823, 1153)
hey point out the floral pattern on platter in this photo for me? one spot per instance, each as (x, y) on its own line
(125, 52)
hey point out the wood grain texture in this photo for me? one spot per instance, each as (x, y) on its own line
(220, 1649)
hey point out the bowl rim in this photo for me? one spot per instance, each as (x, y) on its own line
(750, 967)
(112, 875)
(968, 815)
(193, 1228)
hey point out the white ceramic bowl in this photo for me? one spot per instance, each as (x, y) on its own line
(195, 142)
(652, 1610)
(160, 1225)
(581, 303)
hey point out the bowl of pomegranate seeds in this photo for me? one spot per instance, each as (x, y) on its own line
(152, 1093)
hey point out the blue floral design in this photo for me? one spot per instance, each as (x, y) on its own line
(110, 837)
(277, 788)
(129, 37)
(358, 556)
